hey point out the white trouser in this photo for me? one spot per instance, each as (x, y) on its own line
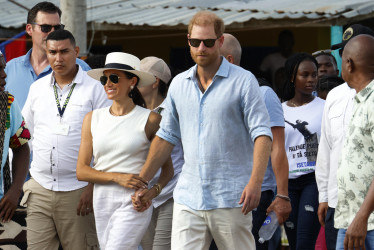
(194, 229)
(118, 225)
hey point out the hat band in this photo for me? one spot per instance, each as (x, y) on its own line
(118, 66)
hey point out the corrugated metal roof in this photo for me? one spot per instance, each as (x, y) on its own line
(179, 12)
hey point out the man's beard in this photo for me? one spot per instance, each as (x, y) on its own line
(203, 62)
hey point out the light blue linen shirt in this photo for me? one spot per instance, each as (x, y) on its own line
(21, 74)
(217, 130)
(275, 110)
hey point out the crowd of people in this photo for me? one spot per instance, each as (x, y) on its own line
(124, 156)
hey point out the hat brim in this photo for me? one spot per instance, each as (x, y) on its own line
(338, 46)
(145, 78)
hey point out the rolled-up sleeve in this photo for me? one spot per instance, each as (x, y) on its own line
(256, 117)
(169, 126)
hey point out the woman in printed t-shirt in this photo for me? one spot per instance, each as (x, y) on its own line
(303, 117)
(118, 137)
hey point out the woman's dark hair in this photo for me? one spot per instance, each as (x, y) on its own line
(135, 94)
(291, 67)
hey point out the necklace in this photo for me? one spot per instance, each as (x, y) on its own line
(112, 113)
(293, 104)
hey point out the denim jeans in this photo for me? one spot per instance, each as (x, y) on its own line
(259, 216)
(331, 233)
(369, 240)
(302, 226)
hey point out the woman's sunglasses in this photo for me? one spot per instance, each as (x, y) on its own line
(113, 78)
(45, 28)
(209, 43)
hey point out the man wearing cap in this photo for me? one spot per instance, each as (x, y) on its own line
(22, 71)
(216, 110)
(59, 207)
(158, 234)
(335, 121)
(354, 210)
(327, 64)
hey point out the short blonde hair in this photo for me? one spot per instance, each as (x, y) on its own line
(205, 18)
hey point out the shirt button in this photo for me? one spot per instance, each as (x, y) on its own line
(53, 164)
(54, 179)
(53, 147)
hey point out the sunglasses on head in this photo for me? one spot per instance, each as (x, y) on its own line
(45, 28)
(321, 52)
(209, 43)
(112, 77)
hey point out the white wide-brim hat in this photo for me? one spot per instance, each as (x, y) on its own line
(125, 62)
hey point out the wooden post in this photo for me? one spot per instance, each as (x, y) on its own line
(75, 18)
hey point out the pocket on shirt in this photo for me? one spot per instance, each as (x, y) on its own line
(336, 118)
(78, 111)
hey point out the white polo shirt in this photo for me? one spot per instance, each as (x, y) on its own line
(55, 154)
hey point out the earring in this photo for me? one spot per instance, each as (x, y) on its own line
(131, 87)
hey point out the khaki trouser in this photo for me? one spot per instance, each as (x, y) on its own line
(158, 234)
(194, 229)
(52, 218)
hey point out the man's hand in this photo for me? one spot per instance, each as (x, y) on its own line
(282, 209)
(130, 181)
(322, 211)
(8, 204)
(140, 204)
(250, 198)
(85, 203)
(356, 233)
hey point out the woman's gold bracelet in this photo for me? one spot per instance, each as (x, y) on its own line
(158, 188)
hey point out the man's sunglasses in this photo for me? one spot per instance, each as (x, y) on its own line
(113, 78)
(209, 43)
(45, 28)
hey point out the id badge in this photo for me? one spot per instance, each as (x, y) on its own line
(61, 129)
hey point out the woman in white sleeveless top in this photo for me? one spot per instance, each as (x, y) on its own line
(118, 137)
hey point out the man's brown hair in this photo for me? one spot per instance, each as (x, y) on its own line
(205, 18)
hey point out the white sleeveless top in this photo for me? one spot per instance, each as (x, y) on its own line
(119, 142)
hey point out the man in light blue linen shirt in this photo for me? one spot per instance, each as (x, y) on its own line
(216, 110)
(22, 71)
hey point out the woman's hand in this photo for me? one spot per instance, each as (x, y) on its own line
(130, 181)
(142, 199)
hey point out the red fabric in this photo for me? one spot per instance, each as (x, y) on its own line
(321, 240)
(16, 48)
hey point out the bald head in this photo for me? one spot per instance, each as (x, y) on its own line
(358, 61)
(231, 49)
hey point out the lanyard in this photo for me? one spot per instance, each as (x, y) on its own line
(61, 111)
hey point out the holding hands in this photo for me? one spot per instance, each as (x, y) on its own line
(142, 199)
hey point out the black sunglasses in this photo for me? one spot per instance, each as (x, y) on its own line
(209, 43)
(45, 28)
(113, 78)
